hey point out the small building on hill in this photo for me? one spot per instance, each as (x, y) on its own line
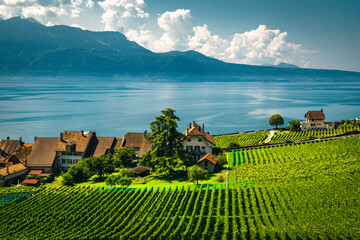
(31, 182)
(198, 141)
(314, 121)
(138, 142)
(208, 162)
(141, 171)
(11, 174)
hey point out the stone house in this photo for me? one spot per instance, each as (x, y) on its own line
(198, 141)
(314, 121)
(208, 162)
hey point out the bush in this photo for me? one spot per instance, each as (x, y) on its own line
(125, 181)
(125, 172)
(67, 180)
(221, 159)
(79, 172)
(234, 145)
(50, 178)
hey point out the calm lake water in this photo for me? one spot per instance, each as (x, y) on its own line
(113, 107)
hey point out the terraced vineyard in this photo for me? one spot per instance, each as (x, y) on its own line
(307, 191)
(246, 139)
(280, 137)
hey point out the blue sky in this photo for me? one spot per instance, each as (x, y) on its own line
(308, 33)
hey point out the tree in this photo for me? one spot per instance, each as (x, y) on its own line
(126, 172)
(123, 157)
(196, 173)
(276, 120)
(125, 181)
(100, 165)
(295, 124)
(164, 155)
(67, 180)
(80, 172)
(112, 180)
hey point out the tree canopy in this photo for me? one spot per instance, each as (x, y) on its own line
(123, 157)
(166, 151)
(196, 173)
(276, 120)
(295, 124)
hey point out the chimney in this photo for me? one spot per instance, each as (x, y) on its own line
(82, 133)
(193, 122)
(20, 139)
(145, 133)
(8, 138)
(189, 125)
(61, 139)
(203, 127)
(321, 110)
(35, 138)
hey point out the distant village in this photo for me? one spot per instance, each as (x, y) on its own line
(50, 155)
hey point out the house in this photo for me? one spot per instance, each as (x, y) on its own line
(141, 171)
(208, 162)
(58, 154)
(43, 155)
(198, 141)
(314, 121)
(138, 142)
(13, 152)
(11, 174)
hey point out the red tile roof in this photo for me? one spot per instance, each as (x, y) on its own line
(137, 140)
(30, 181)
(318, 115)
(35, 172)
(104, 143)
(43, 152)
(78, 138)
(209, 157)
(196, 130)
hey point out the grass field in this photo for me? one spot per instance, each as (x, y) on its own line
(307, 191)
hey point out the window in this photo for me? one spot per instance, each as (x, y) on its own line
(206, 163)
(63, 160)
(197, 148)
(313, 124)
(200, 140)
(189, 148)
(189, 140)
(69, 161)
(75, 161)
(68, 148)
(136, 148)
(203, 148)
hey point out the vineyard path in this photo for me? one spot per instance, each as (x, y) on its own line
(227, 167)
(272, 133)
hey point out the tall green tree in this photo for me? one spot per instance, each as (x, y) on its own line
(276, 120)
(100, 165)
(164, 155)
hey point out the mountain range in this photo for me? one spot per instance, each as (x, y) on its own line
(29, 48)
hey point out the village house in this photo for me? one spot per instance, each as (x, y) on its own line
(58, 154)
(314, 121)
(198, 141)
(11, 174)
(208, 162)
(13, 152)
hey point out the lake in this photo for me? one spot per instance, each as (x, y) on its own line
(113, 106)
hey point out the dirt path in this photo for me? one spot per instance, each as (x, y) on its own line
(272, 133)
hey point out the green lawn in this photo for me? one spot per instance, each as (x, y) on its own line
(153, 180)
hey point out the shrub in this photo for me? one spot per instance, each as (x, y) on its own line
(125, 172)
(67, 180)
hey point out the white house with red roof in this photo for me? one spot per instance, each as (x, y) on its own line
(314, 121)
(198, 141)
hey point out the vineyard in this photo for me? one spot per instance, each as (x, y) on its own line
(305, 191)
(240, 140)
(280, 137)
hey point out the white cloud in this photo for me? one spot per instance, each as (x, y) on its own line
(41, 9)
(123, 15)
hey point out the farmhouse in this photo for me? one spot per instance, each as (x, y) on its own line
(198, 141)
(11, 174)
(314, 121)
(208, 162)
(58, 154)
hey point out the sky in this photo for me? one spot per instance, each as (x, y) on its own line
(308, 33)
